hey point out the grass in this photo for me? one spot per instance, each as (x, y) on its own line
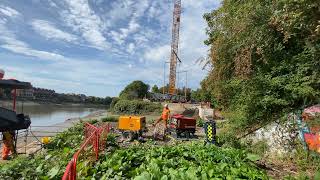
(110, 119)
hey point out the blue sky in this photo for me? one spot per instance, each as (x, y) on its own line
(97, 47)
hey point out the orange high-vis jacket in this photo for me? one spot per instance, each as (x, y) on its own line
(165, 113)
(7, 145)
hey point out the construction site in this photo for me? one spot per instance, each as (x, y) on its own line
(239, 125)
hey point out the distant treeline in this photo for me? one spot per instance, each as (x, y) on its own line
(50, 96)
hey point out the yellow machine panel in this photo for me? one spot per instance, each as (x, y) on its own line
(132, 123)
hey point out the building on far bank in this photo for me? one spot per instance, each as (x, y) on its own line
(43, 94)
(25, 93)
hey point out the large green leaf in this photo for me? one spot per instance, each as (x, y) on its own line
(53, 172)
(253, 157)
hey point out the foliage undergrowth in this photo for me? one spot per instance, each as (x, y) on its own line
(307, 163)
(110, 119)
(46, 165)
(144, 161)
(183, 161)
(200, 122)
(136, 107)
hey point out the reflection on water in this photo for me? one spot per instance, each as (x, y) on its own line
(46, 115)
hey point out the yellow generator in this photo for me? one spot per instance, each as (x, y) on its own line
(132, 127)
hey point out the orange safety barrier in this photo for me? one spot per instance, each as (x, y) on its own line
(95, 138)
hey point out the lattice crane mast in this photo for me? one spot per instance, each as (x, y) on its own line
(174, 46)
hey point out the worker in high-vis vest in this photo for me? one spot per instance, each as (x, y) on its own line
(8, 147)
(164, 116)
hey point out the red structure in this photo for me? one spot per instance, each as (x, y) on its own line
(94, 142)
(174, 46)
(1, 74)
(183, 126)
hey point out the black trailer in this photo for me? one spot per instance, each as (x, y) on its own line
(9, 119)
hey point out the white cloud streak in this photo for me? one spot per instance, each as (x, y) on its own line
(83, 19)
(158, 54)
(7, 11)
(131, 10)
(11, 43)
(50, 31)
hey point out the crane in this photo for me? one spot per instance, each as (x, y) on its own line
(174, 46)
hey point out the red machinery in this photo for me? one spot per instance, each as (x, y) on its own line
(182, 126)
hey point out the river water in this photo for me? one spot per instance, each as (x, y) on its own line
(46, 115)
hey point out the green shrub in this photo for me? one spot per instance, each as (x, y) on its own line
(112, 140)
(136, 107)
(110, 119)
(113, 102)
(135, 90)
(260, 147)
(200, 122)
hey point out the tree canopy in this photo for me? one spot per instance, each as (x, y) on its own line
(155, 89)
(265, 57)
(135, 90)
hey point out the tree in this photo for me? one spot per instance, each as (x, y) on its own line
(107, 100)
(135, 90)
(155, 89)
(164, 89)
(202, 95)
(114, 102)
(265, 58)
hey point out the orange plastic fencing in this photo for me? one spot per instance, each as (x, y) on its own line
(94, 142)
(313, 141)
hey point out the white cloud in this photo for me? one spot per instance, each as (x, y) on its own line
(50, 31)
(153, 10)
(130, 48)
(53, 4)
(83, 19)
(127, 9)
(120, 37)
(7, 11)
(160, 53)
(26, 50)
(11, 43)
(120, 10)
